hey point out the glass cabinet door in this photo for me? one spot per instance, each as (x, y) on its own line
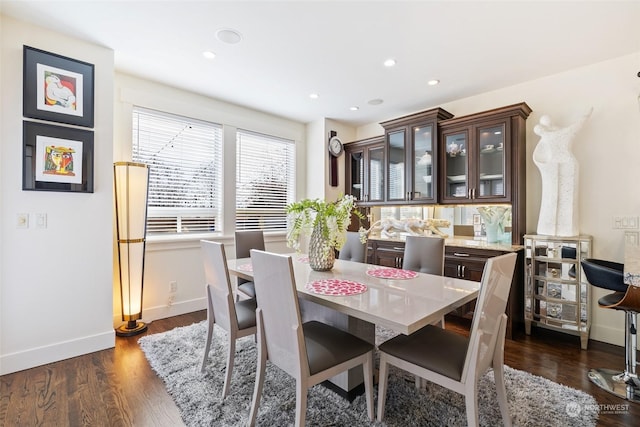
(456, 165)
(423, 180)
(375, 184)
(356, 175)
(396, 169)
(491, 164)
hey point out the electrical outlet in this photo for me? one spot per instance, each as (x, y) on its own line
(173, 287)
(631, 238)
(41, 220)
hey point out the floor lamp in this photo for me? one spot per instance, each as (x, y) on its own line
(131, 191)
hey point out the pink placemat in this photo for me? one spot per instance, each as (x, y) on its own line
(245, 267)
(392, 273)
(303, 259)
(337, 287)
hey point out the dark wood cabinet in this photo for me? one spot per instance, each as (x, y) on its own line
(431, 158)
(462, 263)
(412, 157)
(364, 169)
(483, 161)
(386, 253)
(465, 264)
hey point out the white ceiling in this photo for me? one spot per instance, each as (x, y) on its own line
(336, 48)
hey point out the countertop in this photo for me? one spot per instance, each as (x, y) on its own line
(463, 242)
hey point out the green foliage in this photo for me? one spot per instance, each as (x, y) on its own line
(329, 218)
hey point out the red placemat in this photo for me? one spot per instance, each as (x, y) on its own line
(392, 273)
(337, 287)
(245, 267)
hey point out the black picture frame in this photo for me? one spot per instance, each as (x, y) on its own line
(48, 158)
(57, 88)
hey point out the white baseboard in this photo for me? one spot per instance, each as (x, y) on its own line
(607, 334)
(31, 358)
(162, 311)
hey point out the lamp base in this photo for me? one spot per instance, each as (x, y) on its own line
(131, 328)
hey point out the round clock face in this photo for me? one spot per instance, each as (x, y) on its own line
(335, 146)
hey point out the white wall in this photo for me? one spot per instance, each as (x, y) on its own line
(607, 149)
(55, 283)
(179, 259)
(317, 165)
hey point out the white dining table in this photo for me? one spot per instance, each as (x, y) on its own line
(403, 305)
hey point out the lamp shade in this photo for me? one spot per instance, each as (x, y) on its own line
(131, 192)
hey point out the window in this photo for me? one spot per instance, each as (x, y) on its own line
(265, 184)
(185, 161)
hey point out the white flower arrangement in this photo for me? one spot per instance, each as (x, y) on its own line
(330, 218)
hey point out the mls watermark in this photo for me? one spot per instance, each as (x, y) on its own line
(574, 409)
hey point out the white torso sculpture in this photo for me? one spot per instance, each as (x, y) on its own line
(559, 170)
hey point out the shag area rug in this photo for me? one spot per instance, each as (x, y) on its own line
(176, 356)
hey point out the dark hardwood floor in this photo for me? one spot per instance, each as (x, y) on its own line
(117, 387)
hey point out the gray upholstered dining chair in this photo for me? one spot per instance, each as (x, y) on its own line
(453, 360)
(310, 352)
(424, 254)
(353, 249)
(237, 318)
(245, 241)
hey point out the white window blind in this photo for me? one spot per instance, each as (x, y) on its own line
(185, 161)
(265, 184)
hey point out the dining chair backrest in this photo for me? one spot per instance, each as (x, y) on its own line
(245, 241)
(424, 254)
(218, 283)
(488, 315)
(278, 300)
(353, 249)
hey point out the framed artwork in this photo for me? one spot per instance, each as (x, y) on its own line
(57, 88)
(57, 158)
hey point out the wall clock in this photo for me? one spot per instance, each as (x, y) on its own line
(335, 150)
(335, 146)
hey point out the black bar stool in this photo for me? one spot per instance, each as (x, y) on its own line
(609, 275)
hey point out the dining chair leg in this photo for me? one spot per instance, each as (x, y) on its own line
(207, 346)
(498, 374)
(367, 368)
(382, 385)
(301, 402)
(472, 407)
(230, 358)
(260, 371)
(418, 383)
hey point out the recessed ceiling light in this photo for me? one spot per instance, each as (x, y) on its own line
(390, 62)
(314, 96)
(354, 108)
(433, 82)
(208, 54)
(227, 35)
(376, 101)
